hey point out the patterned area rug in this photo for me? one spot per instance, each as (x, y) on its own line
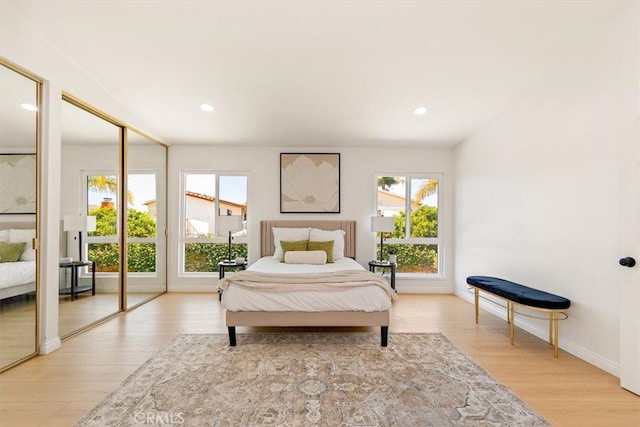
(312, 379)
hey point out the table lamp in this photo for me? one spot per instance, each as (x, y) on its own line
(381, 224)
(229, 224)
(80, 223)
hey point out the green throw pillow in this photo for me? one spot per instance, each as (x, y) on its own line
(10, 252)
(300, 245)
(323, 246)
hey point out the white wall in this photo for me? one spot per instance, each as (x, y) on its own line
(540, 191)
(359, 168)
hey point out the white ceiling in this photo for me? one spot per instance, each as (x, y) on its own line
(315, 73)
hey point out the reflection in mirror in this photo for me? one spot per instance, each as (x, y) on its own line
(89, 248)
(146, 219)
(18, 189)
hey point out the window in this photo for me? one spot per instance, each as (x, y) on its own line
(204, 244)
(416, 237)
(141, 223)
(101, 189)
(103, 243)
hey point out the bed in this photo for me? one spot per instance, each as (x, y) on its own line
(17, 259)
(282, 294)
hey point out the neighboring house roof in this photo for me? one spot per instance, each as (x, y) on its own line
(212, 198)
(205, 197)
(390, 199)
(199, 196)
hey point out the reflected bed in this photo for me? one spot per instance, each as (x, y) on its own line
(18, 277)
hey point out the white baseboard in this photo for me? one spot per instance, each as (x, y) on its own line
(415, 287)
(541, 330)
(50, 345)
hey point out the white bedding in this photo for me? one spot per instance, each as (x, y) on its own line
(366, 298)
(17, 273)
(273, 265)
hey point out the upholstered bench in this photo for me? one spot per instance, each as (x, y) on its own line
(515, 293)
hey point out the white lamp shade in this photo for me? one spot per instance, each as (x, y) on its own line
(91, 223)
(382, 224)
(79, 223)
(229, 223)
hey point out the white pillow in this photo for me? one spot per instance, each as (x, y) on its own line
(288, 235)
(317, 235)
(17, 236)
(305, 257)
(4, 235)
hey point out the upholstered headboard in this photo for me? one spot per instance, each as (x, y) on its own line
(266, 235)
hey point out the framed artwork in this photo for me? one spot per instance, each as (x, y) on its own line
(309, 182)
(17, 184)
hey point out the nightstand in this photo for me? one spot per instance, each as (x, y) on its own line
(223, 266)
(75, 288)
(373, 265)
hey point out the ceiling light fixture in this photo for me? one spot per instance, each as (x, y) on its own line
(29, 107)
(206, 107)
(420, 111)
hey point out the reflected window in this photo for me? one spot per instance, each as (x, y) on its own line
(141, 223)
(101, 191)
(103, 243)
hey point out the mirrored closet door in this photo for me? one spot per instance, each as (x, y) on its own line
(89, 285)
(114, 178)
(19, 144)
(146, 219)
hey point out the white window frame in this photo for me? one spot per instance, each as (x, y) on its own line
(439, 241)
(116, 238)
(182, 240)
(85, 207)
(153, 240)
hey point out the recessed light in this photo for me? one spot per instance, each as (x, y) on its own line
(206, 107)
(420, 111)
(29, 107)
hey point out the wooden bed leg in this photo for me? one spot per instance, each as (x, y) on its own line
(384, 334)
(232, 336)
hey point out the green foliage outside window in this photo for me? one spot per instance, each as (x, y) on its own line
(141, 256)
(106, 256)
(424, 223)
(204, 257)
(414, 258)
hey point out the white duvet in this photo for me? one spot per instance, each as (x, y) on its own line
(17, 273)
(365, 298)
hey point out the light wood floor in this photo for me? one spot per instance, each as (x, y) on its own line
(18, 319)
(57, 389)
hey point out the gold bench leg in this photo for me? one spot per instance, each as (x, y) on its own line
(554, 317)
(476, 298)
(555, 334)
(510, 319)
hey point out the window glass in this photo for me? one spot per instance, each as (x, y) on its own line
(205, 239)
(199, 206)
(141, 223)
(103, 243)
(103, 246)
(415, 239)
(424, 207)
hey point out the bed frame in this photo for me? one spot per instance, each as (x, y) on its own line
(24, 288)
(313, 319)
